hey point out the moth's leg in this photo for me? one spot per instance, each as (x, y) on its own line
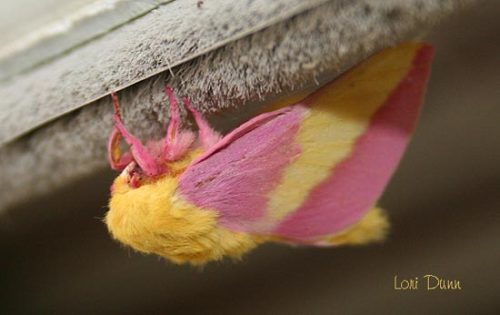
(116, 158)
(177, 141)
(208, 137)
(175, 120)
(138, 152)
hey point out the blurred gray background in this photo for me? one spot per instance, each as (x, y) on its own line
(444, 202)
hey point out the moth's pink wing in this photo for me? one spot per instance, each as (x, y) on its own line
(235, 176)
(356, 183)
(314, 168)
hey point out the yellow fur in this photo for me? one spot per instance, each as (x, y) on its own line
(341, 113)
(154, 219)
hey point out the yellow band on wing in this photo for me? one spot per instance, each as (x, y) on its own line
(340, 113)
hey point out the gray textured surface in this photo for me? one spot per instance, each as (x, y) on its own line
(281, 58)
(72, 24)
(162, 39)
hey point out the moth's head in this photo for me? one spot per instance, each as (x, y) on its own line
(141, 163)
(153, 218)
(132, 177)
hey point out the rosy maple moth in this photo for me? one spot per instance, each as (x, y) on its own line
(308, 173)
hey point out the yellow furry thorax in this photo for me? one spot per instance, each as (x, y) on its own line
(153, 218)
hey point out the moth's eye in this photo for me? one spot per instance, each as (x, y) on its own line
(135, 177)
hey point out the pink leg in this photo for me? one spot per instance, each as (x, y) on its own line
(174, 123)
(138, 153)
(208, 136)
(116, 158)
(177, 141)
